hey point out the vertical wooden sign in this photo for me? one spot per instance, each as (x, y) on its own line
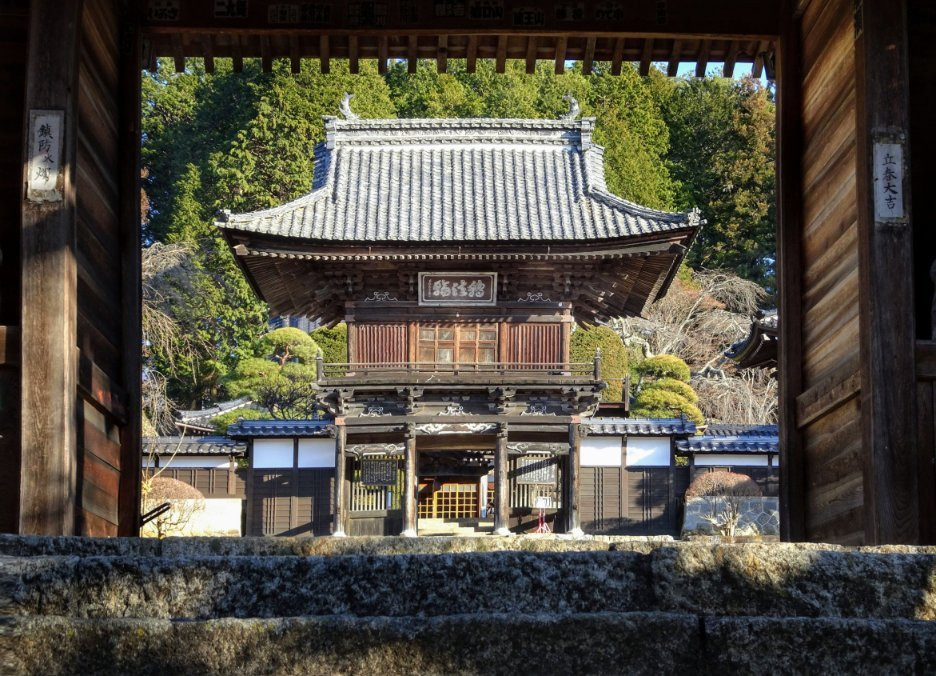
(888, 182)
(45, 182)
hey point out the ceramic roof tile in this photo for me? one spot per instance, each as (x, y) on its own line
(458, 180)
(640, 426)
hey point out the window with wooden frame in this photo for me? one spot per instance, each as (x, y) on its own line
(457, 343)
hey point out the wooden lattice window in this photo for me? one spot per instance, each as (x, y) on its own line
(457, 343)
(449, 501)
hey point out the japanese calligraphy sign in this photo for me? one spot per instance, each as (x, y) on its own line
(457, 288)
(536, 470)
(46, 180)
(888, 182)
(379, 472)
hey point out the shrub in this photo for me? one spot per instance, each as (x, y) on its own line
(664, 366)
(723, 483)
(185, 500)
(676, 386)
(655, 402)
(334, 343)
(614, 364)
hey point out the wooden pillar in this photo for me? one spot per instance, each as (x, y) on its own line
(501, 484)
(573, 472)
(48, 476)
(885, 252)
(789, 247)
(409, 483)
(341, 463)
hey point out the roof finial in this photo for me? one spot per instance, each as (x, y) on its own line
(345, 107)
(574, 109)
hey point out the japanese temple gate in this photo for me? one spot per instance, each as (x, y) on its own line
(857, 359)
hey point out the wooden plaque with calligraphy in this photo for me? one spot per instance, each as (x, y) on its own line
(457, 288)
(536, 471)
(379, 472)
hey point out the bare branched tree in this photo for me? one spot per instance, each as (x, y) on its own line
(186, 502)
(746, 396)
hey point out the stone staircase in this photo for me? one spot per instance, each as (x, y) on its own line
(499, 605)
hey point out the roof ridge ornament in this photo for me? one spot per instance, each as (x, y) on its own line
(695, 216)
(574, 108)
(345, 107)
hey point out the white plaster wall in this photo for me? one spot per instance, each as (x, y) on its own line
(317, 452)
(731, 460)
(272, 453)
(220, 517)
(648, 451)
(601, 452)
(198, 461)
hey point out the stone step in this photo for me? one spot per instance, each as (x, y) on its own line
(454, 528)
(182, 582)
(599, 643)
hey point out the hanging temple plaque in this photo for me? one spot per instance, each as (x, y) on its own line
(457, 288)
(379, 472)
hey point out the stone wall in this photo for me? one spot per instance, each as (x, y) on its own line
(759, 516)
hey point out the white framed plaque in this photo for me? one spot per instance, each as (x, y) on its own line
(457, 288)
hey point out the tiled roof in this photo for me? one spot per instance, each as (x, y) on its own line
(640, 426)
(279, 428)
(205, 414)
(729, 444)
(208, 445)
(741, 429)
(759, 347)
(459, 180)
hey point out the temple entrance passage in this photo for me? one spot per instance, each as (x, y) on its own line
(449, 498)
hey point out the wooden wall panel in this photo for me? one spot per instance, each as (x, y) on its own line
(535, 343)
(380, 343)
(292, 502)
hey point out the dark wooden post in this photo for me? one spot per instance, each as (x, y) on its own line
(572, 479)
(48, 477)
(501, 484)
(409, 483)
(885, 250)
(341, 463)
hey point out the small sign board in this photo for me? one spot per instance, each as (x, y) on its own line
(888, 182)
(457, 288)
(378, 472)
(543, 502)
(46, 180)
(536, 470)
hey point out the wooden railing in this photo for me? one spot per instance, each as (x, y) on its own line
(327, 371)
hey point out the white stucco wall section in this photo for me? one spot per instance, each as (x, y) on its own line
(272, 453)
(731, 460)
(648, 451)
(195, 461)
(601, 452)
(316, 452)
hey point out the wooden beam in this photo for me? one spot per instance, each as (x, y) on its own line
(573, 480)
(178, 53)
(382, 54)
(561, 44)
(759, 55)
(266, 56)
(48, 476)
(531, 55)
(702, 58)
(412, 54)
(207, 42)
(617, 56)
(789, 275)
(442, 54)
(731, 57)
(128, 140)
(237, 57)
(409, 482)
(500, 60)
(646, 57)
(886, 312)
(829, 393)
(295, 61)
(472, 54)
(673, 66)
(341, 463)
(9, 345)
(354, 65)
(501, 484)
(325, 54)
(589, 58)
